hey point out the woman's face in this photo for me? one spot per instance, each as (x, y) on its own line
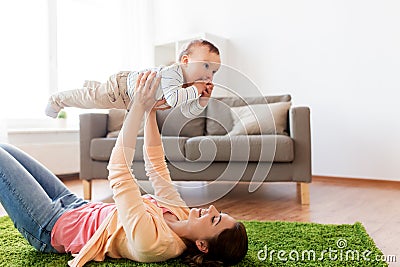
(207, 223)
(200, 65)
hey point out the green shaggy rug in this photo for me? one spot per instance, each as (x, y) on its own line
(270, 244)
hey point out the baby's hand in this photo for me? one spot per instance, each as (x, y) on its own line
(205, 96)
(208, 91)
(161, 105)
(201, 86)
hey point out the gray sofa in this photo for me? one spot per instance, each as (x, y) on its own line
(201, 150)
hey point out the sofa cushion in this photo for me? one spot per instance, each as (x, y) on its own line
(100, 148)
(240, 148)
(174, 147)
(173, 123)
(219, 119)
(260, 119)
(115, 119)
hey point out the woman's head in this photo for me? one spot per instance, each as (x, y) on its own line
(216, 237)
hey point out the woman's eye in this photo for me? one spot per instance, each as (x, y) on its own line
(206, 65)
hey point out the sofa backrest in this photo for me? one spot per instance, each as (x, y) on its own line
(215, 120)
(219, 119)
(173, 123)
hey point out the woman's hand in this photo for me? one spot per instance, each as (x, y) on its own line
(143, 101)
(145, 90)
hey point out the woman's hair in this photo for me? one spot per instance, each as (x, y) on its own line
(228, 248)
(188, 48)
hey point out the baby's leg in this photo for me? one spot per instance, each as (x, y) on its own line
(118, 90)
(111, 94)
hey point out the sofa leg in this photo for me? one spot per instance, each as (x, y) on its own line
(87, 189)
(303, 193)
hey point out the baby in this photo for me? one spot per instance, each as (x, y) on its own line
(181, 84)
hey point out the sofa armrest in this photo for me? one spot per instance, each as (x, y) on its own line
(91, 125)
(300, 132)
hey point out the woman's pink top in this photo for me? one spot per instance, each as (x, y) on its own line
(152, 200)
(136, 229)
(75, 227)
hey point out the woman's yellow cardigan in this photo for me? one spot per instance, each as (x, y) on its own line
(137, 230)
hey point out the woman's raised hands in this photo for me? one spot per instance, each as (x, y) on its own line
(145, 90)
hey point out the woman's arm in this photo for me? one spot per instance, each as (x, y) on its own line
(151, 132)
(155, 165)
(143, 100)
(122, 154)
(131, 210)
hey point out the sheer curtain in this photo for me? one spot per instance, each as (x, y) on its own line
(139, 28)
(50, 46)
(3, 131)
(24, 58)
(97, 38)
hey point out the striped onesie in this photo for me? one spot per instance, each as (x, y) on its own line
(171, 89)
(117, 92)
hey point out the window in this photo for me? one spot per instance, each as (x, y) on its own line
(24, 56)
(89, 37)
(57, 45)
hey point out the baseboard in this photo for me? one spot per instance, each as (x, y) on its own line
(338, 179)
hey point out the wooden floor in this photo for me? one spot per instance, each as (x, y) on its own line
(376, 204)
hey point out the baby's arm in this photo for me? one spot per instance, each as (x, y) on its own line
(188, 96)
(193, 108)
(178, 95)
(175, 91)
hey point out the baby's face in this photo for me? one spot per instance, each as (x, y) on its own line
(200, 65)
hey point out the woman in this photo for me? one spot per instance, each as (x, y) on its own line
(144, 229)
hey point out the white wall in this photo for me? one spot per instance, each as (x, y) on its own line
(57, 149)
(341, 58)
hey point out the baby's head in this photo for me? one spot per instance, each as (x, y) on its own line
(200, 60)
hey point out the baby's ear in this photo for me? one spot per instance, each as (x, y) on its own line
(184, 59)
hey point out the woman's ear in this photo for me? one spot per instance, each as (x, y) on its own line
(202, 245)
